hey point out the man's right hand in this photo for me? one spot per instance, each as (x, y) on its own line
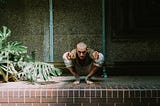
(70, 56)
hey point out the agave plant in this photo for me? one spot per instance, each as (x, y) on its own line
(15, 63)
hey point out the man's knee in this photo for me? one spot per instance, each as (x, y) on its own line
(67, 62)
(99, 62)
(65, 56)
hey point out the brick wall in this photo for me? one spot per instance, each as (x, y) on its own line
(92, 96)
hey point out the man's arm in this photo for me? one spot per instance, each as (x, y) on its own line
(93, 54)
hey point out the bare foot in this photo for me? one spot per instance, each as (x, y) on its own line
(76, 82)
(89, 82)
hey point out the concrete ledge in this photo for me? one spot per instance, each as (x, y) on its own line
(124, 68)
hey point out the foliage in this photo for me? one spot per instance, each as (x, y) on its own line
(15, 63)
(32, 70)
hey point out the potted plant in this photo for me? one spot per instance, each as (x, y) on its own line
(16, 64)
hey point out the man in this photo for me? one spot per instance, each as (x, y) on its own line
(83, 61)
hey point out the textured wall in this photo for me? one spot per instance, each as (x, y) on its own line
(74, 21)
(26, 19)
(134, 50)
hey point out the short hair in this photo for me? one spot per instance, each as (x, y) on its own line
(82, 45)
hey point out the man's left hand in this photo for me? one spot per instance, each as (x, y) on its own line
(95, 55)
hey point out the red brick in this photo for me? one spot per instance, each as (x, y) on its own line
(65, 100)
(141, 104)
(109, 94)
(137, 94)
(40, 104)
(148, 94)
(158, 93)
(98, 100)
(15, 94)
(76, 93)
(131, 94)
(154, 93)
(49, 92)
(73, 104)
(113, 100)
(93, 93)
(59, 104)
(65, 93)
(16, 100)
(123, 104)
(136, 100)
(149, 100)
(4, 100)
(143, 94)
(27, 93)
(126, 94)
(98, 93)
(58, 93)
(5, 94)
(81, 100)
(37, 93)
(32, 100)
(1, 93)
(106, 104)
(92, 104)
(49, 100)
(70, 93)
(43, 93)
(120, 94)
(104, 94)
(8, 104)
(24, 104)
(154, 104)
(21, 93)
(81, 92)
(115, 95)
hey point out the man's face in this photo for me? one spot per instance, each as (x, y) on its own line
(81, 51)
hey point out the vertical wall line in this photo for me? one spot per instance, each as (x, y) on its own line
(51, 49)
(104, 36)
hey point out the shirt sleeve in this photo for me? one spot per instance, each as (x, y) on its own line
(90, 51)
(74, 52)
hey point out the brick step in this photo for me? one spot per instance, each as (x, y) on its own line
(60, 91)
(86, 97)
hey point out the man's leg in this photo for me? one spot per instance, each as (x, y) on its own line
(95, 66)
(75, 74)
(91, 73)
(69, 65)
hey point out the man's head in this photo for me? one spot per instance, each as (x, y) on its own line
(81, 49)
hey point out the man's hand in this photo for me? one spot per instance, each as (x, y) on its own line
(95, 55)
(70, 56)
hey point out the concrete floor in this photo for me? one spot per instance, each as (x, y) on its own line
(112, 82)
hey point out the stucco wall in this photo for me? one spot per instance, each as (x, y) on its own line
(74, 21)
(26, 19)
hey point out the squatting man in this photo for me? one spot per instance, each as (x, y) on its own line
(83, 61)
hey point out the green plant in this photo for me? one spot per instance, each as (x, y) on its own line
(33, 70)
(15, 63)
